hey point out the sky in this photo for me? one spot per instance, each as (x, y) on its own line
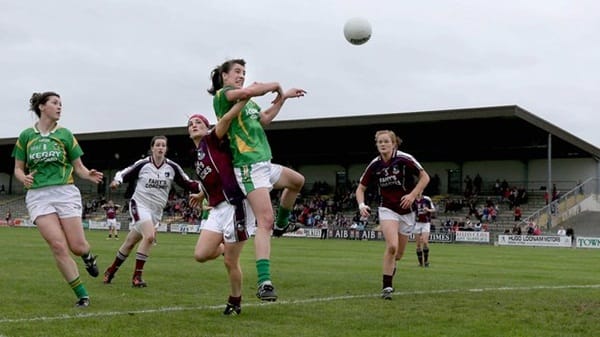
(138, 64)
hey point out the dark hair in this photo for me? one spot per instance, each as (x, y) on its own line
(155, 138)
(216, 74)
(153, 141)
(40, 98)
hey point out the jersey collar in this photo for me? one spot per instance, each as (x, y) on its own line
(35, 128)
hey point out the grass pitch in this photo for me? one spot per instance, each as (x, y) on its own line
(325, 287)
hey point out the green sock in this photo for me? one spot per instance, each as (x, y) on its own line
(283, 217)
(263, 269)
(78, 288)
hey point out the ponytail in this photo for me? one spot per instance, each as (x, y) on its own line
(216, 75)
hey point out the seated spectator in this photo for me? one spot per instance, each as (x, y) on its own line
(561, 231)
(530, 228)
(467, 225)
(516, 230)
(493, 212)
(310, 220)
(473, 209)
(485, 214)
(455, 226)
(447, 226)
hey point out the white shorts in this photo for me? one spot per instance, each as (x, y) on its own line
(112, 223)
(140, 213)
(258, 175)
(422, 227)
(221, 219)
(64, 200)
(406, 221)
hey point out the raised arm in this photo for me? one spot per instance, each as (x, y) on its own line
(267, 115)
(255, 90)
(225, 121)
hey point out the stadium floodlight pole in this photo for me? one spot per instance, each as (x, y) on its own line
(549, 183)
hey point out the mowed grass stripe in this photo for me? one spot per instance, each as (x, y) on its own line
(292, 302)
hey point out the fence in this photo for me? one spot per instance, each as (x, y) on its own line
(565, 206)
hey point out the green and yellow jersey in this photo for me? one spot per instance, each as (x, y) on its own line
(248, 140)
(49, 156)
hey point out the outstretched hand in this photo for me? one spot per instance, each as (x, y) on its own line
(295, 92)
(95, 176)
(114, 184)
(195, 200)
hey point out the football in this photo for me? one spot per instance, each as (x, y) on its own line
(357, 31)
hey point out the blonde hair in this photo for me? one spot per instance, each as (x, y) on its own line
(397, 141)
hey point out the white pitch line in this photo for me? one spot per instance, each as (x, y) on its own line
(304, 301)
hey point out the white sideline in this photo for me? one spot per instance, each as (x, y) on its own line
(312, 300)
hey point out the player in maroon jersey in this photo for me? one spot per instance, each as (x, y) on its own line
(111, 218)
(400, 179)
(224, 232)
(424, 209)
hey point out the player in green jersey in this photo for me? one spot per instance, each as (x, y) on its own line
(46, 156)
(251, 152)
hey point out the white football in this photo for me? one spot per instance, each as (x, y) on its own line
(357, 31)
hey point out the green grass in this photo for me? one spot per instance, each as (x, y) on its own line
(326, 288)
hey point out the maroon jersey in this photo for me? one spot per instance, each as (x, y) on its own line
(394, 179)
(215, 170)
(423, 215)
(111, 211)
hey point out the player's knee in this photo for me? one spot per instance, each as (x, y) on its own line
(80, 248)
(58, 247)
(291, 180)
(127, 246)
(392, 250)
(149, 239)
(230, 263)
(200, 256)
(266, 221)
(298, 182)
